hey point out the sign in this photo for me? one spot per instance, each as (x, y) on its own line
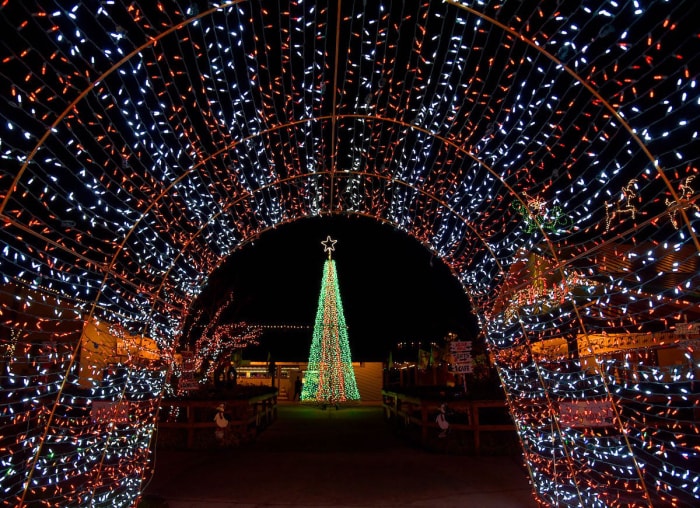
(461, 369)
(187, 380)
(109, 411)
(687, 328)
(460, 345)
(586, 413)
(461, 357)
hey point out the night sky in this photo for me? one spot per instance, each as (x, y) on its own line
(393, 289)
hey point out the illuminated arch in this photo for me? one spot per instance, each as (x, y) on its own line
(547, 156)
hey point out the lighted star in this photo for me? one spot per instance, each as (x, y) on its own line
(329, 245)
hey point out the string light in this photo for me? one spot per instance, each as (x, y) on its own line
(685, 202)
(537, 215)
(219, 340)
(546, 157)
(330, 378)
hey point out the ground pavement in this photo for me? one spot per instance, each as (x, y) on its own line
(341, 458)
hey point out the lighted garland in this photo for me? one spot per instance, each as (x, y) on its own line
(142, 142)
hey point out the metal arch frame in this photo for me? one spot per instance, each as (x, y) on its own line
(333, 117)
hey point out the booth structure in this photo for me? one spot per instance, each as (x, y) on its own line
(369, 377)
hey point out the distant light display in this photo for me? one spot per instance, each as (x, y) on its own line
(330, 378)
(218, 340)
(547, 154)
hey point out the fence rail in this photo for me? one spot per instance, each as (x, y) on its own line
(248, 416)
(422, 412)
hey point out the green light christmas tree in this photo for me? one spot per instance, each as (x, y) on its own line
(330, 378)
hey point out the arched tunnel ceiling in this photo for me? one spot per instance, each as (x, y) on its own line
(143, 143)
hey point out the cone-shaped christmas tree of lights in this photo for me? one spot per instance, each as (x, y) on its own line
(330, 378)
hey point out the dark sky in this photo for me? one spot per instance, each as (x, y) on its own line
(392, 288)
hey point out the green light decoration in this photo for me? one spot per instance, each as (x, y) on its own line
(536, 215)
(330, 378)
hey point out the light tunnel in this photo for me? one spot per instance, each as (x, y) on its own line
(547, 152)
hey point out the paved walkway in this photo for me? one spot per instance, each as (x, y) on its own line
(334, 458)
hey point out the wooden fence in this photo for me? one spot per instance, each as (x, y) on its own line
(464, 416)
(247, 416)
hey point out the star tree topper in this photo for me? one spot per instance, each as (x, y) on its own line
(329, 245)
